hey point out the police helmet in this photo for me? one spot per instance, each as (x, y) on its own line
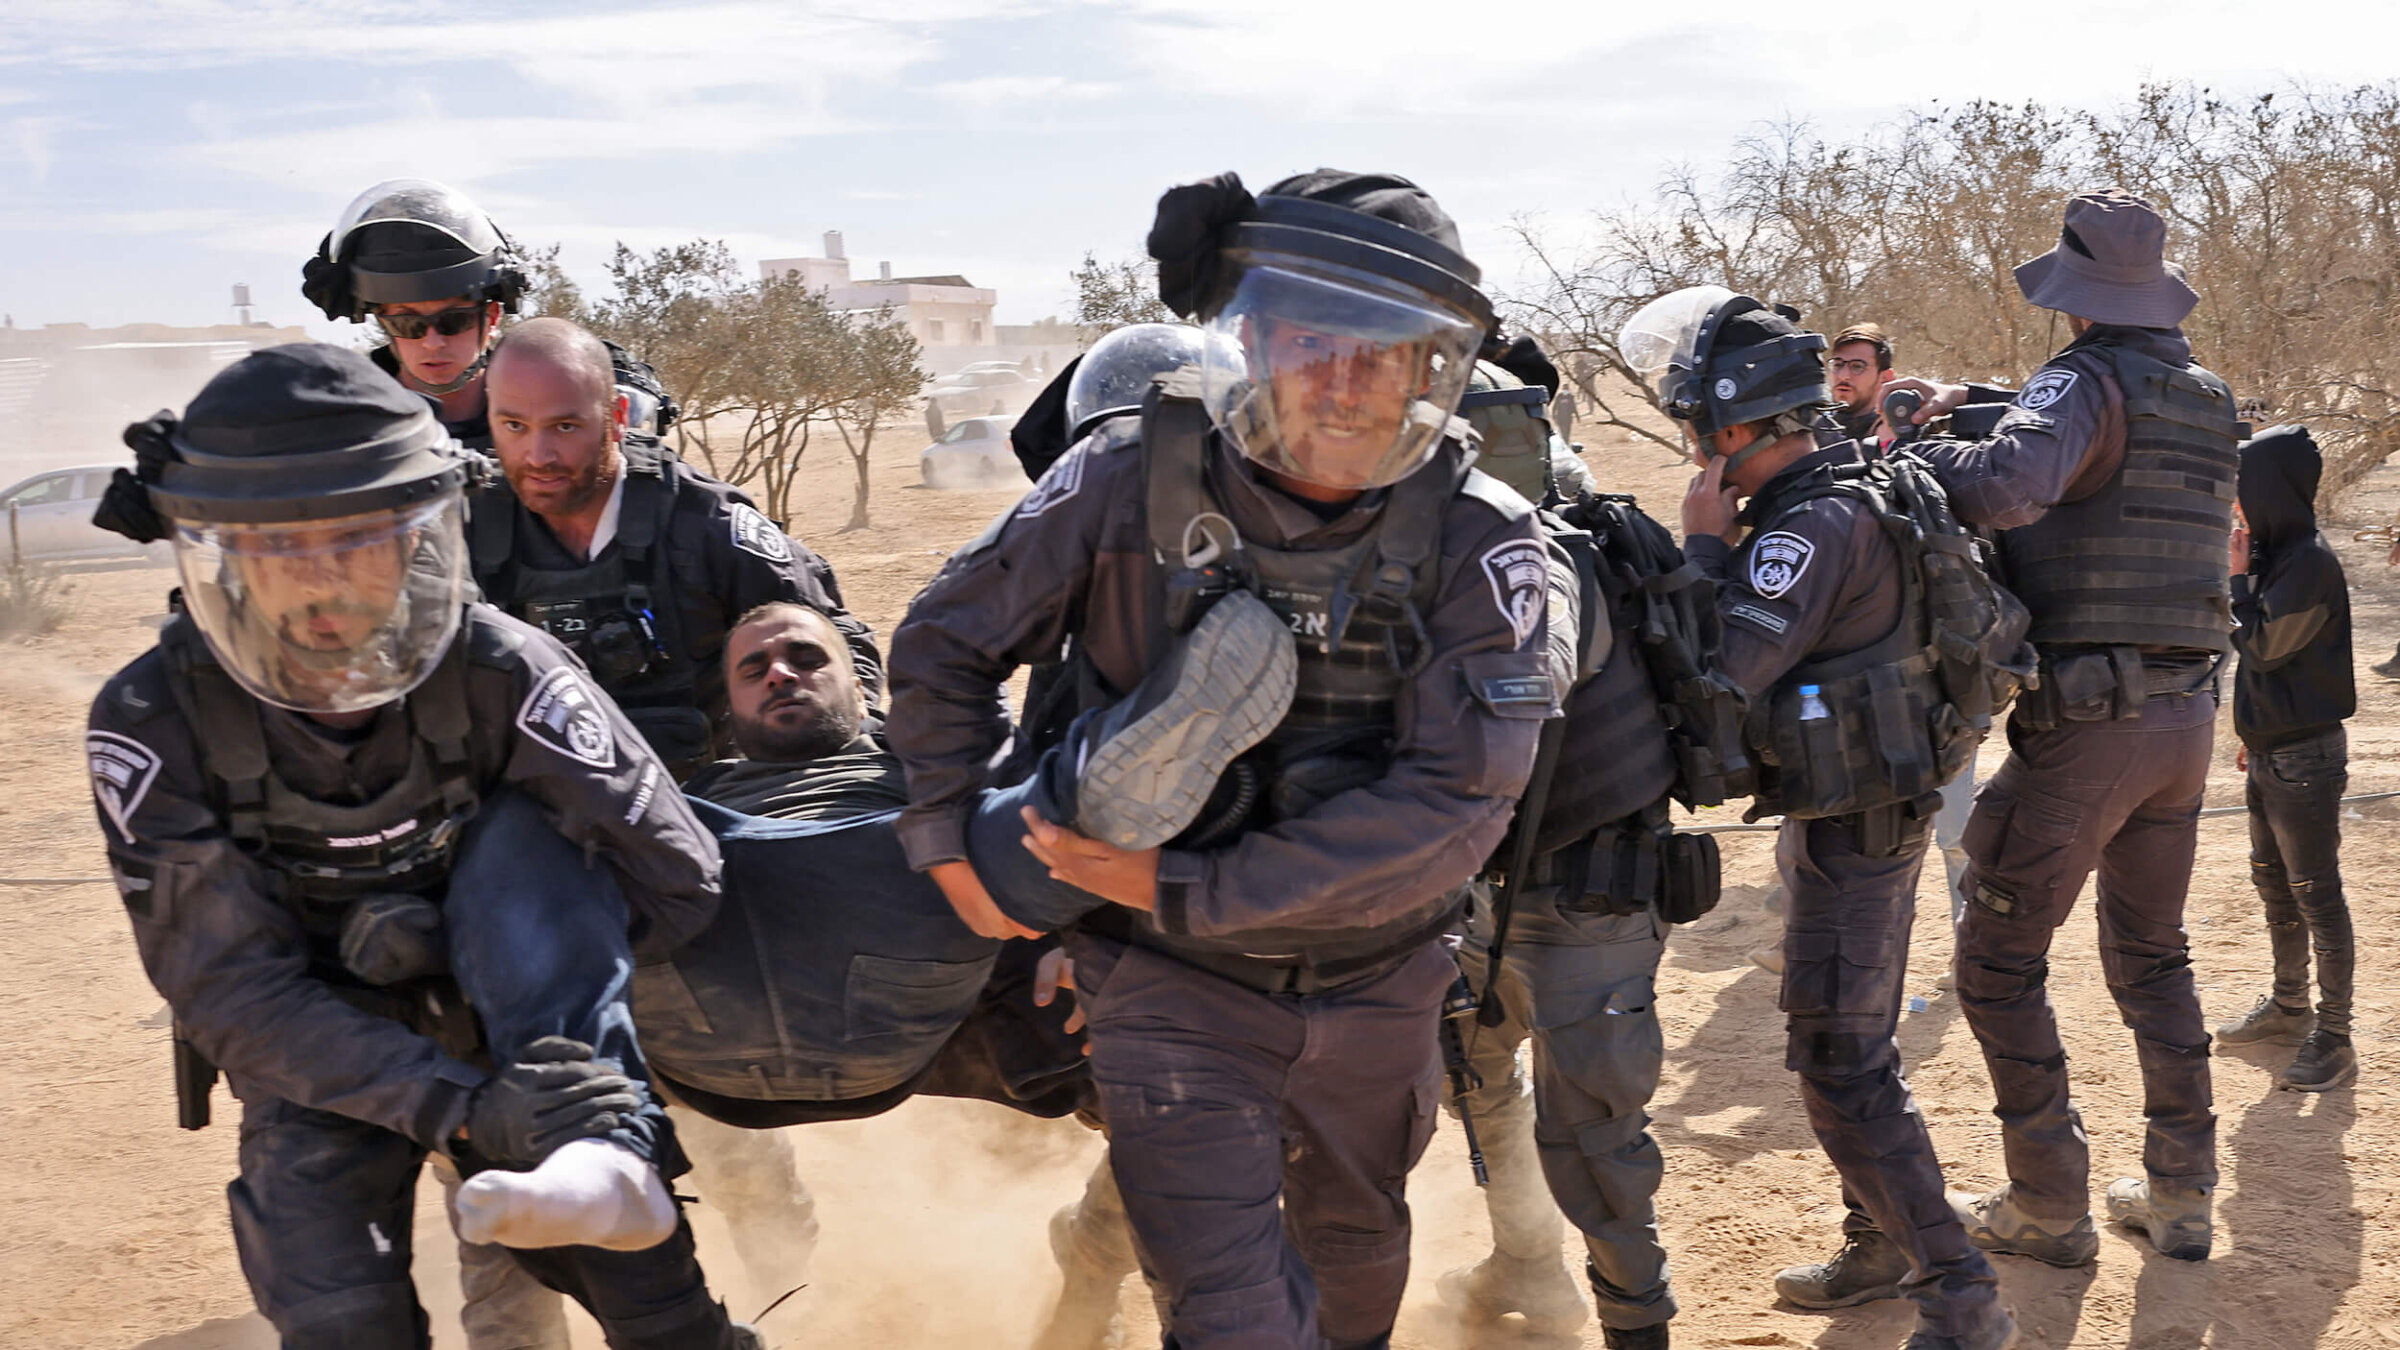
(1343, 322)
(1714, 359)
(316, 511)
(1115, 375)
(411, 239)
(1512, 422)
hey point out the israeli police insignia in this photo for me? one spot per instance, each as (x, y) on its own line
(1520, 575)
(564, 714)
(1062, 481)
(753, 533)
(1778, 561)
(2045, 389)
(122, 771)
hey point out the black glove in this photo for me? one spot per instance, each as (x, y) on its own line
(1040, 434)
(1187, 237)
(325, 282)
(555, 1093)
(125, 507)
(390, 938)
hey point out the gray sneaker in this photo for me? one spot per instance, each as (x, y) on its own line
(1869, 1266)
(1539, 1290)
(1994, 1223)
(2325, 1062)
(2175, 1219)
(2270, 1023)
(1993, 1329)
(1150, 763)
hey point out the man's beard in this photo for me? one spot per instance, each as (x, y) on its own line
(821, 732)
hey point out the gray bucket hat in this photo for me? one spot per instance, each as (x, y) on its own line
(2109, 266)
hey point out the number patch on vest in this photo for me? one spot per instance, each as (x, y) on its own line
(122, 771)
(563, 713)
(1778, 562)
(756, 535)
(1520, 575)
(2045, 389)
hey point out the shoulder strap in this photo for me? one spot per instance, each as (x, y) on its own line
(1174, 446)
(437, 710)
(233, 749)
(491, 529)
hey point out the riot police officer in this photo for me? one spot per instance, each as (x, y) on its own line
(2111, 482)
(379, 846)
(1262, 1000)
(637, 561)
(1826, 630)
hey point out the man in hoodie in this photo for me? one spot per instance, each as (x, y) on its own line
(2291, 693)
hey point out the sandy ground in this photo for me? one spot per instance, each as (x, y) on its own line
(114, 1234)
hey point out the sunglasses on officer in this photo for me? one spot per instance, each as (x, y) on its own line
(403, 324)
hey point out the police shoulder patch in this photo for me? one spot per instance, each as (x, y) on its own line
(1520, 575)
(1061, 481)
(2044, 389)
(753, 533)
(563, 713)
(1777, 562)
(1759, 617)
(122, 771)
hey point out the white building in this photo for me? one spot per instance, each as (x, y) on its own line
(948, 315)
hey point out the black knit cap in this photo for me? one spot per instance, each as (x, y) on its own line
(304, 431)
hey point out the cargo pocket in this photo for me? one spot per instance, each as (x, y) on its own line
(1834, 975)
(888, 996)
(2018, 850)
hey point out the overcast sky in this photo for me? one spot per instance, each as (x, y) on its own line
(153, 152)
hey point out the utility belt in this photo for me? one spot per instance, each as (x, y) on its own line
(1887, 831)
(1298, 976)
(2111, 684)
(1635, 863)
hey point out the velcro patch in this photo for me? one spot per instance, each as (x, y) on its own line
(1777, 562)
(2044, 389)
(1520, 575)
(1511, 693)
(754, 534)
(564, 714)
(122, 771)
(1752, 614)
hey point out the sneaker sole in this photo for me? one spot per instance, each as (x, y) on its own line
(1150, 780)
(2341, 1080)
(2273, 1038)
(2073, 1257)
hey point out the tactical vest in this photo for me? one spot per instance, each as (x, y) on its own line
(319, 856)
(2141, 561)
(1904, 714)
(1357, 618)
(617, 613)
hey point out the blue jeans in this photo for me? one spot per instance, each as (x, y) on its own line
(1019, 882)
(322, 1208)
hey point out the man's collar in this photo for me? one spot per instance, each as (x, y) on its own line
(605, 533)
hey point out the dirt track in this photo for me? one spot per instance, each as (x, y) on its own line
(115, 1235)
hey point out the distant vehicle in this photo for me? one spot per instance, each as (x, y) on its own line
(991, 365)
(48, 519)
(973, 392)
(973, 455)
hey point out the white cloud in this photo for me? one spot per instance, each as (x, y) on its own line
(1024, 92)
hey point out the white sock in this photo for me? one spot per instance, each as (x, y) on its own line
(590, 1193)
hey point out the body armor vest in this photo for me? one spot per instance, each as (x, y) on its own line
(617, 613)
(2141, 561)
(320, 856)
(1895, 720)
(1357, 618)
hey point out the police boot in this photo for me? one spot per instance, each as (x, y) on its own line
(1539, 1289)
(1653, 1337)
(1991, 1329)
(1869, 1266)
(1145, 767)
(1085, 1317)
(2270, 1023)
(2325, 1062)
(1995, 1223)
(2174, 1218)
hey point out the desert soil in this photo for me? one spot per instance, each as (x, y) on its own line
(114, 1234)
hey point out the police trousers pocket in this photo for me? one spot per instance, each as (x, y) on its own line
(1512, 695)
(2018, 848)
(1832, 974)
(1693, 877)
(890, 996)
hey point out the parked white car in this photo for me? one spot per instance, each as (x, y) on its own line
(973, 455)
(48, 519)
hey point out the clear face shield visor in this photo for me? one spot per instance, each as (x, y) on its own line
(1658, 342)
(329, 616)
(1337, 377)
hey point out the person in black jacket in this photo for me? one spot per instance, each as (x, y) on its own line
(2290, 696)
